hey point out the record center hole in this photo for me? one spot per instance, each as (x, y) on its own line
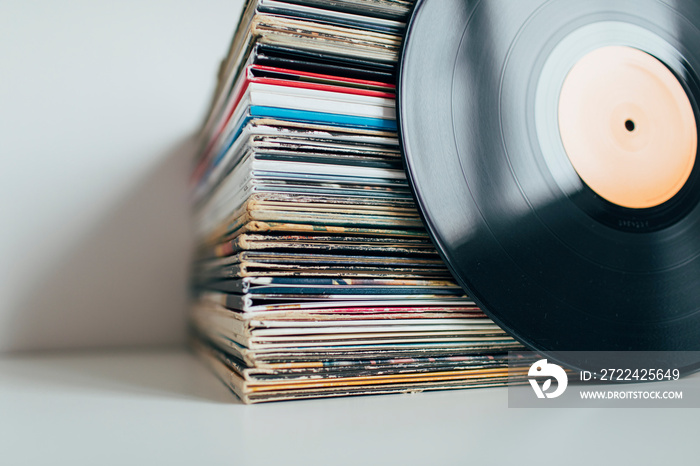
(629, 124)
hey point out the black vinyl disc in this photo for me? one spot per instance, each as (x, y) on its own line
(554, 263)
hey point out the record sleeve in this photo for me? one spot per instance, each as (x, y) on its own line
(313, 274)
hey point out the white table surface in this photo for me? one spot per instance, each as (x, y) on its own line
(164, 407)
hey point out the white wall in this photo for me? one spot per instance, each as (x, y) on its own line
(98, 104)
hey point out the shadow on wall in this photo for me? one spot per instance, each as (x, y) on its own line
(125, 282)
(157, 373)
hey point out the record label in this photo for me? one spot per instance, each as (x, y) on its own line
(627, 127)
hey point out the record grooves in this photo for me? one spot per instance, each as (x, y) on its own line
(564, 255)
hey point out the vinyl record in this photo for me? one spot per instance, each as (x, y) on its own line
(551, 147)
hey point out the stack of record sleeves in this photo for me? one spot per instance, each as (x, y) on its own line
(314, 276)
